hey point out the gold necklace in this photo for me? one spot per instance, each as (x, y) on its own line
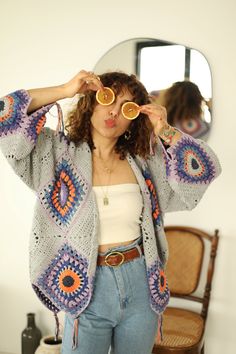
(109, 171)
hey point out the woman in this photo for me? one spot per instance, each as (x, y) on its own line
(187, 109)
(98, 247)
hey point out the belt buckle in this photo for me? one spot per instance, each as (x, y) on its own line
(112, 254)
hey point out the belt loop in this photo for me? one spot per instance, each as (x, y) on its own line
(138, 247)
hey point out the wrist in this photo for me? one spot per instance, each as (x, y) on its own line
(66, 91)
(168, 134)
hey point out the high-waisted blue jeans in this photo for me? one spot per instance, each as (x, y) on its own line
(119, 316)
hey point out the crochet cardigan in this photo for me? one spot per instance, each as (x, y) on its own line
(63, 242)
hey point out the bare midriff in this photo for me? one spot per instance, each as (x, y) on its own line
(104, 248)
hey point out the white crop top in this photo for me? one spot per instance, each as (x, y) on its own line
(120, 219)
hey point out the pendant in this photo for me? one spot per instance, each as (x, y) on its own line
(105, 200)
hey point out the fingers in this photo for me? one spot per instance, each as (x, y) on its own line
(156, 113)
(92, 81)
(82, 82)
(154, 110)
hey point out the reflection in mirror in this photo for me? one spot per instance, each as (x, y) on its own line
(176, 76)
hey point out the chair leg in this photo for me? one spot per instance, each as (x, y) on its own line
(154, 350)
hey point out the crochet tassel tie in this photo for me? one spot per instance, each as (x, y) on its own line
(75, 334)
(60, 124)
(152, 143)
(159, 329)
(57, 327)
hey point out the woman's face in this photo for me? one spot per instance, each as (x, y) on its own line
(108, 121)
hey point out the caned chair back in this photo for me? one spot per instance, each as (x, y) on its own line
(186, 257)
(189, 271)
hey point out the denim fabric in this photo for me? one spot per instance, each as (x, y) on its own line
(119, 317)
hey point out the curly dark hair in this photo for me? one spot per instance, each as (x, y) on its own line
(183, 100)
(78, 124)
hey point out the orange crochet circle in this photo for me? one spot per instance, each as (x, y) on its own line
(74, 281)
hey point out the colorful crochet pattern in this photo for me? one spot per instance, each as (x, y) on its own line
(160, 293)
(35, 126)
(45, 300)
(63, 196)
(153, 195)
(191, 163)
(65, 281)
(10, 117)
(12, 110)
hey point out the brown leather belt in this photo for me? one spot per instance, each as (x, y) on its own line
(117, 258)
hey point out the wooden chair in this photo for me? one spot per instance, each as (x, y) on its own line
(189, 273)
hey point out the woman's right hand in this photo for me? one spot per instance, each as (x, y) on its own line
(82, 82)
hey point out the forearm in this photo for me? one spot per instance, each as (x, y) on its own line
(44, 96)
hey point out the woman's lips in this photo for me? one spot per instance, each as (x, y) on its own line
(110, 123)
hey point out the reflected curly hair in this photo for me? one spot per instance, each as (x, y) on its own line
(183, 100)
(78, 125)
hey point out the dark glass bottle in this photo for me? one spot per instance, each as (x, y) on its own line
(30, 337)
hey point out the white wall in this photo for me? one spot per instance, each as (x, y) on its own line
(44, 43)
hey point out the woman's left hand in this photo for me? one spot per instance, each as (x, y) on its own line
(157, 115)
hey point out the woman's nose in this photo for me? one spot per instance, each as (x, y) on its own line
(114, 111)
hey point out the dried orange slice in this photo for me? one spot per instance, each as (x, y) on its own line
(105, 96)
(130, 110)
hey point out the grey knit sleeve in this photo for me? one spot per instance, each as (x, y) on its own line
(26, 144)
(183, 172)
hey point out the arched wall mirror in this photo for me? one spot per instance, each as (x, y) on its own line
(175, 76)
